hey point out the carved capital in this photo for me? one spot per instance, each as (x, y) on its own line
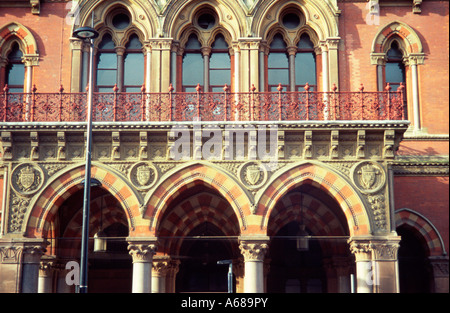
(160, 267)
(375, 249)
(142, 251)
(254, 250)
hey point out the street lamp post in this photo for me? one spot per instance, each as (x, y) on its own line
(87, 34)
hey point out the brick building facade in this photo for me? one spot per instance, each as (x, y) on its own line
(307, 141)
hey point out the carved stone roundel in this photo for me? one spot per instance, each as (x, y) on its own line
(368, 176)
(27, 178)
(143, 175)
(253, 174)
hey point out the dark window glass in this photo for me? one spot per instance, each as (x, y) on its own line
(206, 21)
(305, 64)
(106, 65)
(219, 65)
(291, 20)
(192, 65)
(278, 64)
(15, 70)
(121, 21)
(395, 69)
(133, 66)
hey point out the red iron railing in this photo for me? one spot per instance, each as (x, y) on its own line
(225, 106)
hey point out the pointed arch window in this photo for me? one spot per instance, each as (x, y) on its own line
(219, 65)
(292, 67)
(192, 65)
(278, 64)
(15, 70)
(395, 68)
(120, 66)
(107, 66)
(133, 77)
(305, 64)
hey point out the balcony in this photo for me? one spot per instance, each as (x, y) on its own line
(215, 107)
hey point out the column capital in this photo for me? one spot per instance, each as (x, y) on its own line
(142, 250)
(161, 267)
(254, 249)
(31, 59)
(375, 249)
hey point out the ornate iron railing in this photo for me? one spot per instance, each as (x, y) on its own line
(225, 106)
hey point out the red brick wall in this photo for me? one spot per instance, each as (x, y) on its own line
(428, 196)
(432, 27)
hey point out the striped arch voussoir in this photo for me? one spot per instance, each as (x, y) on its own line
(66, 185)
(324, 179)
(19, 31)
(427, 230)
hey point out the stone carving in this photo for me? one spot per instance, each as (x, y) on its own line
(143, 175)
(368, 176)
(253, 251)
(10, 255)
(142, 252)
(253, 175)
(378, 206)
(27, 178)
(18, 209)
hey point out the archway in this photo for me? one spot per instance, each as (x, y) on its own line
(309, 251)
(197, 229)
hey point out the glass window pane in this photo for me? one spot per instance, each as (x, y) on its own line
(305, 42)
(107, 61)
(220, 77)
(15, 54)
(134, 43)
(395, 72)
(220, 43)
(107, 43)
(134, 69)
(277, 76)
(193, 43)
(133, 89)
(15, 75)
(278, 42)
(193, 69)
(219, 60)
(278, 60)
(106, 77)
(305, 68)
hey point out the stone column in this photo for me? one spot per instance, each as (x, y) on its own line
(292, 51)
(120, 51)
(376, 264)
(46, 270)
(30, 270)
(413, 60)
(142, 252)
(254, 250)
(206, 52)
(172, 271)
(160, 269)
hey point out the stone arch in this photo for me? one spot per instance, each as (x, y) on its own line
(25, 38)
(320, 16)
(410, 42)
(323, 178)
(192, 212)
(181, 14)
(142, 16)
(180, 179)
(66, 184)
(427, 230)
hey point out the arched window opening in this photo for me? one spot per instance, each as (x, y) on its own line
(106, 65)
(15, 70)
(219, 65)
(133, 77)
(278, 64)
(305, 64)
(395, 69)
(192, 65)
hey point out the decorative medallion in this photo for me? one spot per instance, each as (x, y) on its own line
(253, 174)
(368, 176)
(143, 175)
(27, 178)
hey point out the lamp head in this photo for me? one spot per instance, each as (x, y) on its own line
(85, 33)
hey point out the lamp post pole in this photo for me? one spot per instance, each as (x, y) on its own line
(87, 33)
